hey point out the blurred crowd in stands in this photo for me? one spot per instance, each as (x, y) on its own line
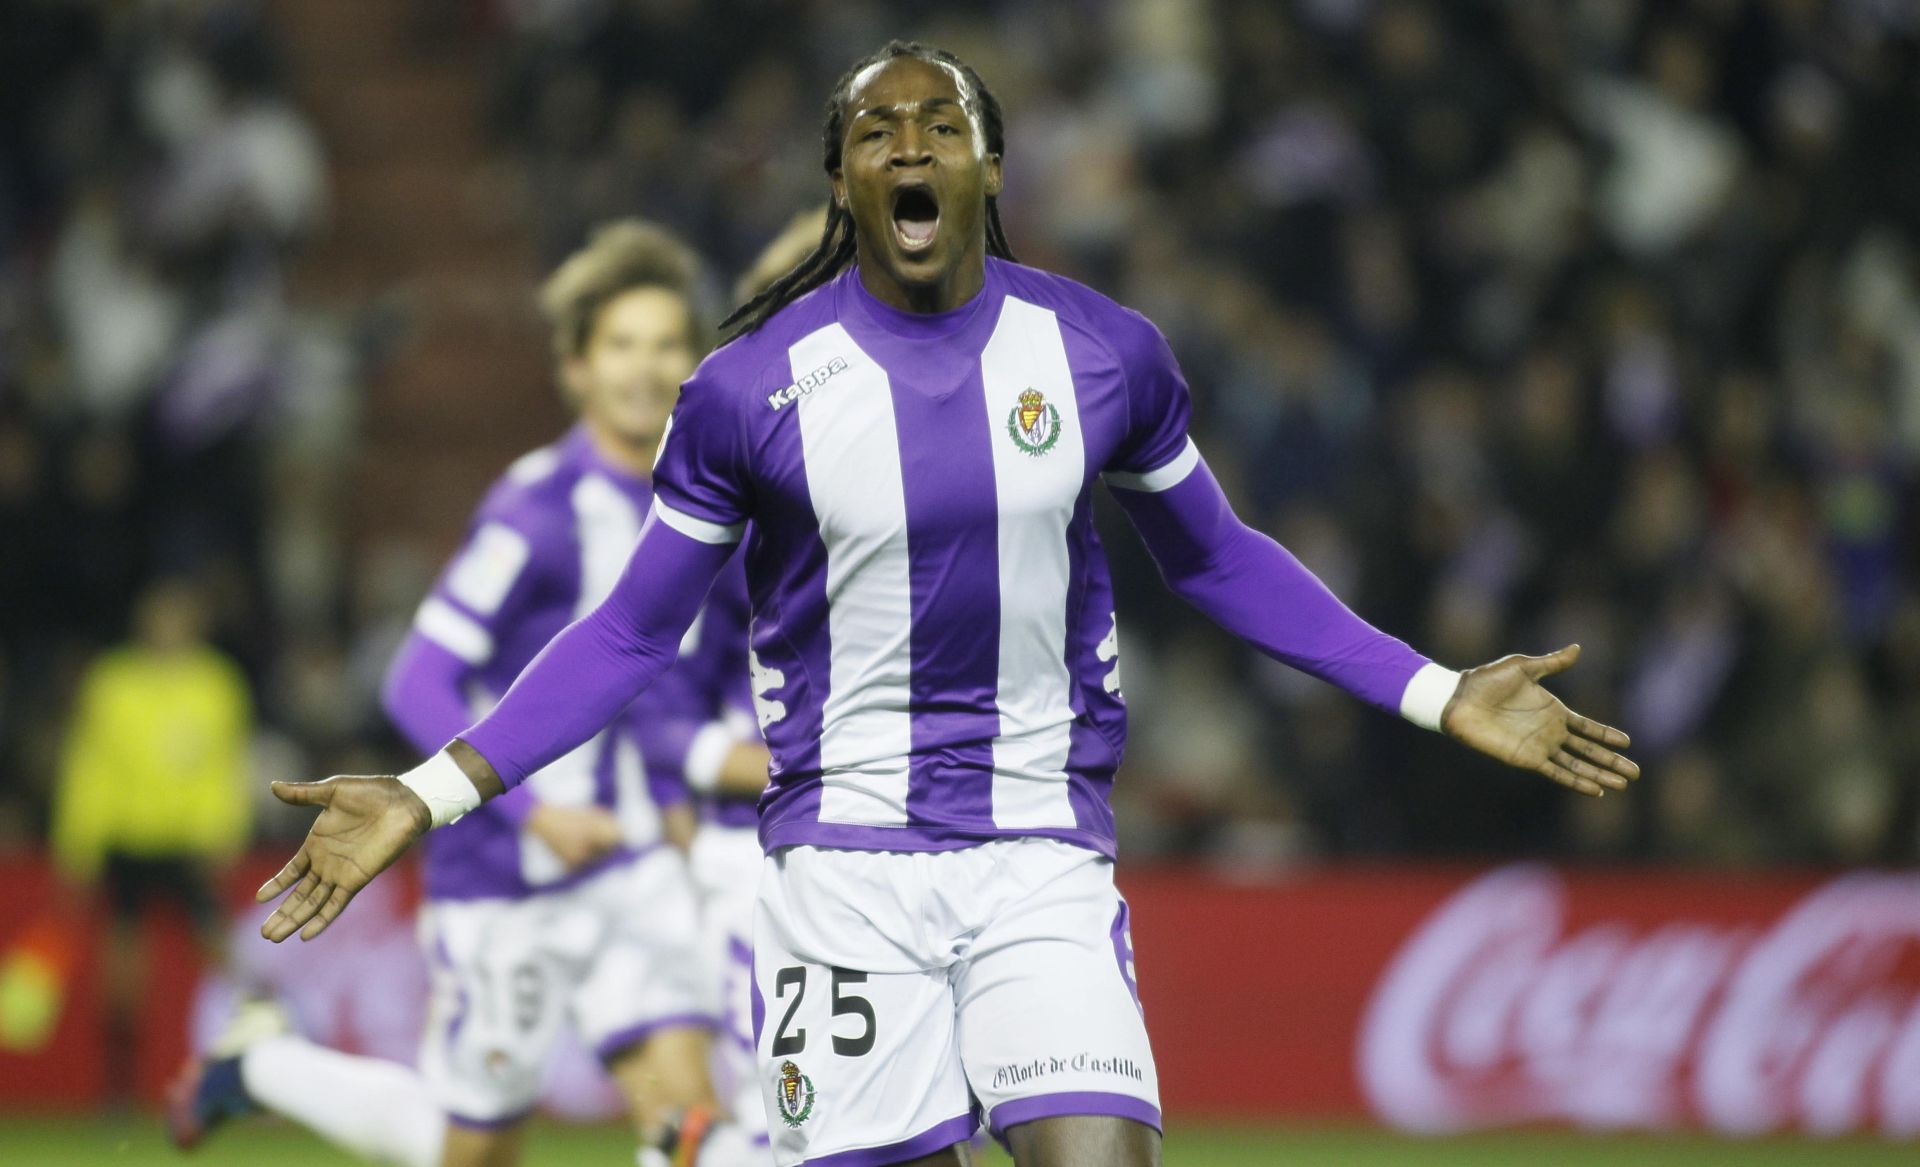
(1519, 323)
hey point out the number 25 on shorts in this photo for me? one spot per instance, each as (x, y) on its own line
(790, 986)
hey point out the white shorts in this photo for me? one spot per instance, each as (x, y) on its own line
(617, 955)
(726, 870)
(903, 997)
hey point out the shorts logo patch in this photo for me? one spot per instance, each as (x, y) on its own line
(796, 1095)
(1033, 425)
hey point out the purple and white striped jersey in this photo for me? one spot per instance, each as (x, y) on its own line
(934, 650)
(933, 644)
(544, 547)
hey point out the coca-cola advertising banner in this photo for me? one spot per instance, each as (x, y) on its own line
(1433, 999)
(1443, 1001)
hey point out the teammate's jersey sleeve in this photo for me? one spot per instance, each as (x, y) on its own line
(598, 664)
(487, 587)
(1158, 405)
(701, 481)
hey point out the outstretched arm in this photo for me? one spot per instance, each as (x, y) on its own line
(578, 683)
(1252, 587)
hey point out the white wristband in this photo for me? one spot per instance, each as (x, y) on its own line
(1426, 695)
(444, 787)
(707, 755)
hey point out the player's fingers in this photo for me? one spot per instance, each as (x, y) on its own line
(297, 908)
(329, 911)
(284, 922)
(295, 868)
(1603, 757)
(1596, 731)
(1554, 662)
(278, 926)
(1592, 773)
(301, 915)
(302, 793)
(1570, 780)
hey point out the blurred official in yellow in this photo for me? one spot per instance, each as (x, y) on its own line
(152, 803)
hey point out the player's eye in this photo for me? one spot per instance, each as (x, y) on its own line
(944, 128)
(876, 132)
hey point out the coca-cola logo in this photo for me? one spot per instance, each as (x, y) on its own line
(1496, 1012)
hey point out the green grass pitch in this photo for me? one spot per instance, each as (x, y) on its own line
(138, 1143)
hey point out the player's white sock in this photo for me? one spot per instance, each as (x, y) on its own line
(372, 1107)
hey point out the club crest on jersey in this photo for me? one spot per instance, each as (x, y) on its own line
(1034, 425)
(795, 1099)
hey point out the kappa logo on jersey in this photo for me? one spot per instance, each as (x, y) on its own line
(1034, 425)
(796, 1095)
(808, 383)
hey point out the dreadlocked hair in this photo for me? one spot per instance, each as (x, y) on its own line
(836, 248)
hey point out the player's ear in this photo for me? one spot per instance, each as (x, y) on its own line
(838, 180)
(995, 180)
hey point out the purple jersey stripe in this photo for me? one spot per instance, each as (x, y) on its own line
(1100, 723)
(953, 568)
(787, 583)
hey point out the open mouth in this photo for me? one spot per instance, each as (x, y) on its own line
(916, 216)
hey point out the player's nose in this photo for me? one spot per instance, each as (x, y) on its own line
(910, 148)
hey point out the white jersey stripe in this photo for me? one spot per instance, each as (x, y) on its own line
(454, 630)
(696, 528)
(852, 453)
(607, 525)
(1162, 478)
(1039, 470)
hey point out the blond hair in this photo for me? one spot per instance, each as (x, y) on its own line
(620, 257)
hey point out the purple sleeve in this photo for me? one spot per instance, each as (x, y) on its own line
(1158, 404)
(666, 782)
(1255, 589)
(422, 693)
(596, 666)
(663, 726)
(422, 698)
(702, 470)
(664, 743)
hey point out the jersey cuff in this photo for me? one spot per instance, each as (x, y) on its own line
(1165, 478)
(454, 630)
(697, 528)
(1426, 695)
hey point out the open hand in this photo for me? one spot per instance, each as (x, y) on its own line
(364, 825)
(577, 834)
(1502, 710)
